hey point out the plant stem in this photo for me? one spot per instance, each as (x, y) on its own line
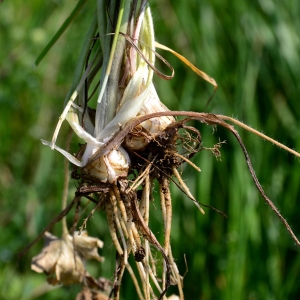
(107, 100)
(66, 184)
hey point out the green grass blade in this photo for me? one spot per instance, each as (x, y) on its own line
(60, 31)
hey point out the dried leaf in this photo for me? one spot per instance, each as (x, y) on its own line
(188, 63)
(100, 284)
(86, 294)
(61, 262)
(87, 246)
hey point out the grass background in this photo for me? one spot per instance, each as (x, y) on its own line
(252, 49)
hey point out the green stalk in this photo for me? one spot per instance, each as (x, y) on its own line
(107, 100)
(102, 24)
(82, 58)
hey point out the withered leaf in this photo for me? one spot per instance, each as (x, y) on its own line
(61, 262)
(87, 246)
(87, 294)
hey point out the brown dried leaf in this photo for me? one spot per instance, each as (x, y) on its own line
(87, 246)
(43, 262)
(87, 294)
(61, 262)
(99, 284)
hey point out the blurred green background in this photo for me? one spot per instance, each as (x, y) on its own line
(252, 49)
